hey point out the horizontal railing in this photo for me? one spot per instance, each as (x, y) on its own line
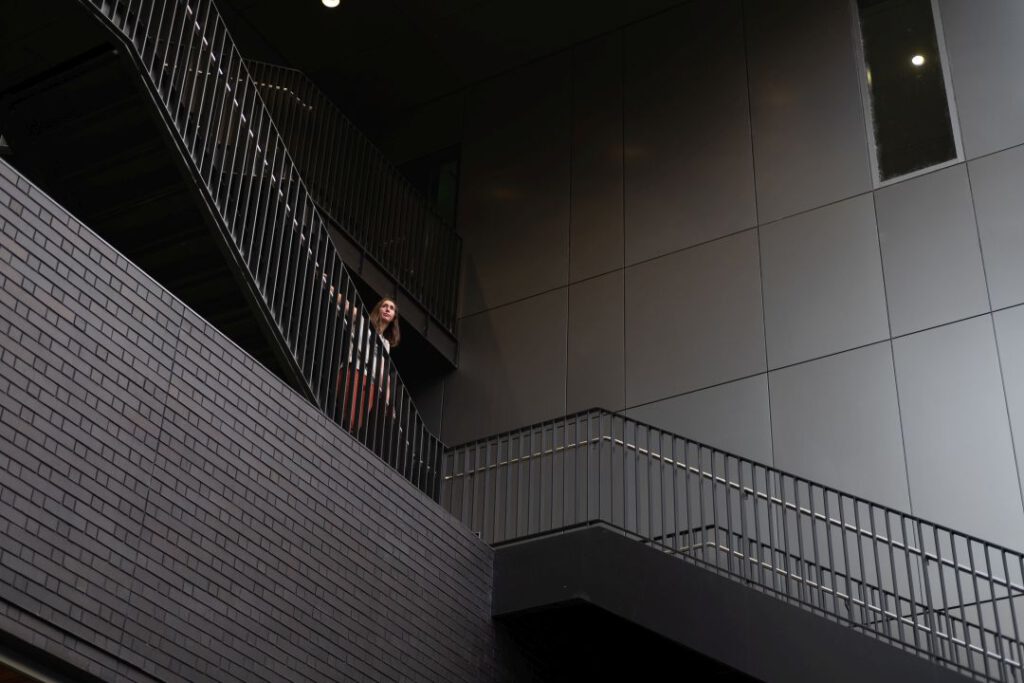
(917, 585)
(277, 237)
(365, 195)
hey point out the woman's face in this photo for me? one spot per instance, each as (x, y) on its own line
(387, 311)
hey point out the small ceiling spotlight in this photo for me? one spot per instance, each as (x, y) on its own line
(331, 3)
(916, 60)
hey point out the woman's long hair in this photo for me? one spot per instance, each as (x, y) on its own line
(393, 332)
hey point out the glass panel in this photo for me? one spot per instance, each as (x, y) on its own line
(909, 106)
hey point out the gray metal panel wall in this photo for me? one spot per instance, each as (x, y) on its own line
(985, 53)
(836, 418)
(810, 142)
(933, 269)
(595, 372)
(996, 181)
(833, 267)
(514, 191)
(822, 282)
(959, 450)
(689, 176)
(596, 234)
(514, 369)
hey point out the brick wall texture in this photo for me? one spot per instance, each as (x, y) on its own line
(170, 511)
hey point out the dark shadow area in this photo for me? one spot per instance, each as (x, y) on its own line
(18, 657)
(579, 641)
(78, 125)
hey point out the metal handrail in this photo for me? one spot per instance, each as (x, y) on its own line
(277, 237)
(355, 185)
(917, 585)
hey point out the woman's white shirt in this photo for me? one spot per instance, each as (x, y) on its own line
(360, 338)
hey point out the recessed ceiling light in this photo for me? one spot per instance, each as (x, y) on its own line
(331, 3)
(916, 60)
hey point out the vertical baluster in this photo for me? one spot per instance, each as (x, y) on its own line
(829, 528)
(380, 363)
(205, 145)
(876, 549)
(933, 642)
(1003, 671)
(407, 445)
(321, 142)
(347, 182)
(801, 558)
(432, 277)
(438, 450)
(388, 225)
(316, 330)
(846, 554)
(1017, 644)
(282, 226)
(361, 396)
(897, 610)
(311, 346)
(228, 110)
(378, 203)
(196, 39)
(814, 544)
(730, 530)
(331, 375)
(309, 238)
(453, 291)
(286, 276)
(176, 26)
(775, 503)
(422, 444)
(977, 603)
(910, 581)
(146, 26)
(758, 545)
(715, 523)
(256, 216)
(158, 65)
(954, 652)
(521, 492)
(673, 442)
(253, 168)
(860, 557)
(268, 216)
(346, 353)
(336, 161)
(492, 460)
(365, 197)
(407, 201)
(126, 22)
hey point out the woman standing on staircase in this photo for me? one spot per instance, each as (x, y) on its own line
(367, 358)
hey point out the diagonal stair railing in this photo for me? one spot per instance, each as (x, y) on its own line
(272, 230)
(923, 587)
(362, 192)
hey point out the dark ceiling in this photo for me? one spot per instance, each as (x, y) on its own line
(378, 57)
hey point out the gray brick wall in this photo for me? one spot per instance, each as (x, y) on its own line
(170, 511)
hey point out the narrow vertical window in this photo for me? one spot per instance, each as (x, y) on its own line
(907, 87)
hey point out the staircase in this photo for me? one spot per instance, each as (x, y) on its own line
(82, 130)
(250, 250)
(948, 597)
(371, 205)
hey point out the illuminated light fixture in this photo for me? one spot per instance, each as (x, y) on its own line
(916, 60)
(331, 3)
